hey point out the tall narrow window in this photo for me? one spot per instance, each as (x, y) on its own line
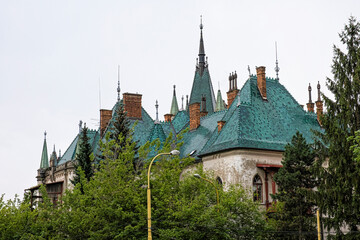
(257, 188)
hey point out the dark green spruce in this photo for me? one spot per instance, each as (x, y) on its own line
(83, 161)
(339, 191)
(295, 212)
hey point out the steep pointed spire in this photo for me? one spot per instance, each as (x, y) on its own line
(174, 105)
(44, 156)
(202, 81)
(201, 49)
(219, 102)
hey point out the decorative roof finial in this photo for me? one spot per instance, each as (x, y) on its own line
(277, 69)
(201, 50)
(118, 88)
(59, 153)
(157, 113)
(45, 135)
(249, 71)
(318, 87)
(182, 103)
(309, 88)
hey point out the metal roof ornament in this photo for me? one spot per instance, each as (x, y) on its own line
(309, 89)
(318, 87)
(157, 113)
(249, 71)
(118, 88)
(182, 103)
(277, 69)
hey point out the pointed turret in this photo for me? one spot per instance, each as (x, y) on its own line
(44, 156)
(202, 85)
(174, 104)
(219, 102)
(53, 158)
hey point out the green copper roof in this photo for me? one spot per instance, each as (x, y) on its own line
(180, 121)
(260, 124)
(219, 102)
(174, 104)
(202, 86)
(70, 153)
(44, 156)
(157, 132)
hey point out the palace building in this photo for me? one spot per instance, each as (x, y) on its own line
(241, 140)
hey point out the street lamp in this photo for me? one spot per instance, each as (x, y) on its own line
(217, 193)
(173, 152)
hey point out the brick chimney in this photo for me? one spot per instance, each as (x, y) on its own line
(319, 105)
(168, 117)
(105, 117)
(132, 105)
(194, 112)
(261, 81)
(233, 91)
(220, 125)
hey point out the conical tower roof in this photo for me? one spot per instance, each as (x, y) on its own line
(202, 85)
(174, 104)
(219, 102)
(44, 156)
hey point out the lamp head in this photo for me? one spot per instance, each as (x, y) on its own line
(197, 175)
(174, 152)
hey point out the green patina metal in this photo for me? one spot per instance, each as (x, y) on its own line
(219, 102)
(44, 156)
(174, 104)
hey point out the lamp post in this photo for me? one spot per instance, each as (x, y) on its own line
(217, 193)
(173, 152)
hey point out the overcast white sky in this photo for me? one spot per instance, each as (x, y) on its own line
(52, 54)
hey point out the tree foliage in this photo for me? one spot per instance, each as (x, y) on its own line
(112, 205)
(339, 188)
(83, 161)
(296, 182)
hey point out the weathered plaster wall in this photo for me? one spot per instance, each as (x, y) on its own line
(239, 166)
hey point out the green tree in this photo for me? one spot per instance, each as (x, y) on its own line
(339, 188)
(83, 161)
(113, 205)
(296, 182)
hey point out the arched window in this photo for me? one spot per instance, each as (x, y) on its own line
(257, 188)
(219, 181)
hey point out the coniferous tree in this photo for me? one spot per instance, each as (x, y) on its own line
(296, 182)
(339, 189)
(83, 160)
(121, 129)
